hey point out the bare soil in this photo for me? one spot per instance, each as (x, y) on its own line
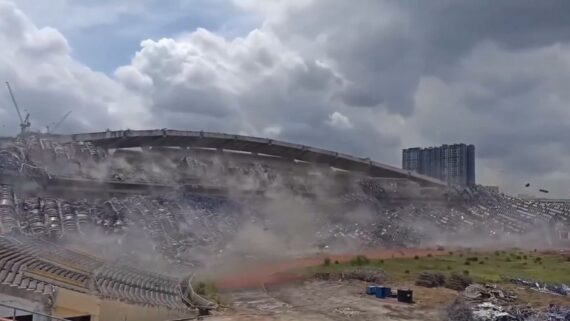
(279, 272)
(330, 301)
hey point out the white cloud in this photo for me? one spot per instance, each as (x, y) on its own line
(48, 82)
(339, 120)
(272, 131)
(368, 79)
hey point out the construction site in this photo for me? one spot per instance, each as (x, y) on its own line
(178, 225)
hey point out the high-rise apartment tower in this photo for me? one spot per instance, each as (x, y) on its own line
(454, 164)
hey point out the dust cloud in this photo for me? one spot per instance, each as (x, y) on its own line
(278, 215)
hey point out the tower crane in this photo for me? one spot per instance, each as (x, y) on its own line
(56, 126)
(24, 122)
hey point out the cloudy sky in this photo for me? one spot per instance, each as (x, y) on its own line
(367, 77)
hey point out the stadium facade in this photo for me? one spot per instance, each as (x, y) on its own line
(454, 164)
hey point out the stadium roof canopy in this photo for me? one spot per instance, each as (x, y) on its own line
(249, 144)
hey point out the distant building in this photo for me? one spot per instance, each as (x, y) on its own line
(454, 164)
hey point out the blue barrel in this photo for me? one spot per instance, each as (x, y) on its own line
(371, 289)
(380, 292)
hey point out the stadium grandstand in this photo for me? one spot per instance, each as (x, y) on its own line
(81, 215)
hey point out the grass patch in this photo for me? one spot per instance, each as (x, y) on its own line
(546, 268)
(207, 290)
(360, 260)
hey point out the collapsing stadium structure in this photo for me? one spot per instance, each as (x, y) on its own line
(80, 214)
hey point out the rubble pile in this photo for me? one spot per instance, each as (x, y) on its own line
(550, 288)
(556, 313)
(459, 310)
(430, 279)
(488, 302)
(488, 293)
(180, 226)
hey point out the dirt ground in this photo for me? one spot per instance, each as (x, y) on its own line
(276, 272)
(330, 301)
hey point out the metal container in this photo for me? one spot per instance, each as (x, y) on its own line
(380, 293)
(405, 296)
(371, 289)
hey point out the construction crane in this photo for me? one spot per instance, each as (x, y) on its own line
(56, 126)
(24, 123)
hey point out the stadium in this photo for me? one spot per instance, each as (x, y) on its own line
(115, 225)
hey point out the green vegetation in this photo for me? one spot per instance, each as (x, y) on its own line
(360, 260)
(515, 263)
(207, 290)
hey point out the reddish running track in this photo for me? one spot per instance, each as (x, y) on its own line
(277, 273)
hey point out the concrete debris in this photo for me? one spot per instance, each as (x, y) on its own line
(181, 225)
(430, 279)
(347, 311)
(488, 293)
(557, 313)
(488, 302)
(550, 288)
(487, 311)
(459, 310)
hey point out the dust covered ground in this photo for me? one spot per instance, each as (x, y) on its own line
(329, 300)
(277, 292)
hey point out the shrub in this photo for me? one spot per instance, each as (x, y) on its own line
(508, 259)
(473, 259)
(360, 260)
(467, 263)
(465, 272)
(429, 255)
(336, 262)
(458, 282)
(407, 271)
(381, 261)
(450, 252)
(327, 261)
(416, 257)
(481, 262)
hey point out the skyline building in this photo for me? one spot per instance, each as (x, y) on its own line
(454, 164)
